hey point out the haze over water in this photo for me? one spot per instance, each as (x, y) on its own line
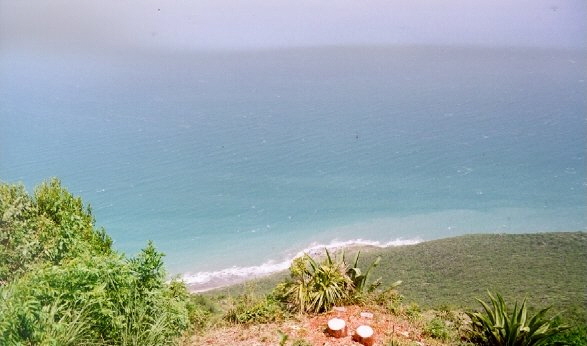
(242, 157)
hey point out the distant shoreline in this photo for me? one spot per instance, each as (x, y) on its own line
(457, 247)
(206, 281)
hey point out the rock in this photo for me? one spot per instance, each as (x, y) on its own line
(366, 315)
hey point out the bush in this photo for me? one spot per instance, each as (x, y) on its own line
(249, 310)
(318, 286)
(391, 300)
(62, 284)
(437, 329)
(412, 311)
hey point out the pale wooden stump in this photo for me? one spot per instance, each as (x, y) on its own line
(364, 335)
(337, 328)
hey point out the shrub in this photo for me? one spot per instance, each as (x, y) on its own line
(315, 287)
(318, 286)
(202, 312)
(391, 300)
(496, 326)
(360, 283)
(412, 311)
(62, 284)
(249, 310)
(437, 328)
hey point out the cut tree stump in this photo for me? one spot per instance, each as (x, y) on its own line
(337, 328)
(364, 335)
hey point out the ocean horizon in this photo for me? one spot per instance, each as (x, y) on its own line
(234, 162)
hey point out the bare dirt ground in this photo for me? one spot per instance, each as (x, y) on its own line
(312, 329)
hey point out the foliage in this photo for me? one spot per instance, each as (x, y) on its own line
(574, 336)
(359, 279)
(202, 312)
(548, 268)
(390, 299)
(249, 310)
(437, 328)
(412, 311)
(496, 326)
(47, 228)
(282, 338)
(317, 286)
(70, 287)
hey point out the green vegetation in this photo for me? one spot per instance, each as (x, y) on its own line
(547, 268)
(63, 284)
(437, 328)
(318, 286)
(247, 309)
(496, 326)
(448, 274)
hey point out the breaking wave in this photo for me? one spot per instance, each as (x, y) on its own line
(207, 280)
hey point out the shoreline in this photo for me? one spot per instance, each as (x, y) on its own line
(205, 281)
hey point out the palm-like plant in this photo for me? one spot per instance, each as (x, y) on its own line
(498, 327)
(318, 286)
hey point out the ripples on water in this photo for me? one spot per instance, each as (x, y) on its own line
(231, 159)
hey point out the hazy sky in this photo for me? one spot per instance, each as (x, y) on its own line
(182, 24)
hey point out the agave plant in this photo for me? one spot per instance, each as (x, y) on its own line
(498, 327)
(359, 279)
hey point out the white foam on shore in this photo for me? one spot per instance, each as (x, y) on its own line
(207, 280)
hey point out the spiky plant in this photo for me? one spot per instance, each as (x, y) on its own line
(316, 286)
(496, 326)
(330, 284)
(359, 278)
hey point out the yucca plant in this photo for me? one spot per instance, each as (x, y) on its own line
(316, 286)
(496, 326)
(330, 285)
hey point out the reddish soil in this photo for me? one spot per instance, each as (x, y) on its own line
(312, 329)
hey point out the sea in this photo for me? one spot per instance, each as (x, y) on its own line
(234, 162)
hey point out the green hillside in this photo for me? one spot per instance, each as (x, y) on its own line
(546, 268)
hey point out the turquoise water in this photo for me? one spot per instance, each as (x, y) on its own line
(243, 159)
